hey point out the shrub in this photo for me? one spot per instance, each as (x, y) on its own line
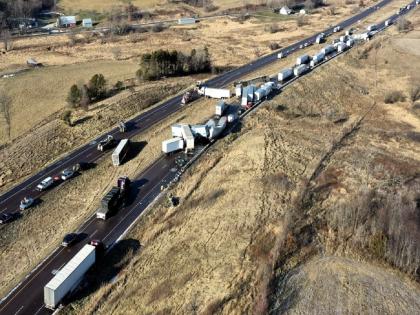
(66, 117)
(74, 97)
(404, 25)
(97, 86)
(157, 28)
(274, 46)
(394, 97)
(415, 94)
(120, 29)
(301, 20)
(119, 85)
(272, 28)
(210, 8)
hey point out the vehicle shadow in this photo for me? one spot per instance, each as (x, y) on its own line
(106, 270)
(135, 149)
(135, 189)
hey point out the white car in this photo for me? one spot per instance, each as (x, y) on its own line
(47, 182)
(67, 173)
(26, 203)
(337, 29)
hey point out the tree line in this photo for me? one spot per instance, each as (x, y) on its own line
(164, 63)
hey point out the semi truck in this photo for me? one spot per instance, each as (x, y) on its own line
(301, 69)
(327, 49)
(285, 74)
(214, 93)
(189, 96)
(120, 152)
(69, 277)
(172, 145)
(188, 137)
(302, 60)
(220, 108)
(114, 199)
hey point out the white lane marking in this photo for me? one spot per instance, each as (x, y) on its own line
(36, 274)
(146, 114)
(94, 233)
(134, 208)
(39, 309)
(19, 310)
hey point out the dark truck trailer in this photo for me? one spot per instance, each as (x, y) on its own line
(114, 199)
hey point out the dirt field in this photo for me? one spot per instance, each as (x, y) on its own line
(280, 202)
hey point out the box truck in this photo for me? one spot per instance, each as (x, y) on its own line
(69, 277)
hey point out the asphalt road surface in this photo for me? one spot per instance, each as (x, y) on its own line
(27, 297)
(9, 201)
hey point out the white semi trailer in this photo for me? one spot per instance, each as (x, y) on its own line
(301, 69)
(285, 74)
(172, 145)
(303, 59)
(215, 93)
(188, 137)
(120, 152)
(68, 278)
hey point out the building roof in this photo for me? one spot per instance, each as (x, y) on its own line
(67, 20)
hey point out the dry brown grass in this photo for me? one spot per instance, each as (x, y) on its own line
(229, 242)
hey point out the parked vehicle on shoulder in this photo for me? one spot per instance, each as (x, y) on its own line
(26, 203)
(70, 239)
(45, 184)
(106, 143)
(388, 22)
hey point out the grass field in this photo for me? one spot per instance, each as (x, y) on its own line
(45, 89)
(301, 141)
(282, 192)
(105, 5)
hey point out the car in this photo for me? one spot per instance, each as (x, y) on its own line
(336, 29)
(26, 203)
(46, 182)
(70, 239)
(67, 174)
(106, 143)
(6, 218)
(301, 46)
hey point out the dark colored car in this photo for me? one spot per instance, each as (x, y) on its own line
(70, 239)
(6, 218)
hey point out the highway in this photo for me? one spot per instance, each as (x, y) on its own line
(9, 201)
(27, 297)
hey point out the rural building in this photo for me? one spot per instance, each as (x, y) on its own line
(285, 11)
(66, 21)
(185, 21)
(87, 23)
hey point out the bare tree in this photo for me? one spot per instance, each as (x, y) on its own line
(6, 39)
(5, 102)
